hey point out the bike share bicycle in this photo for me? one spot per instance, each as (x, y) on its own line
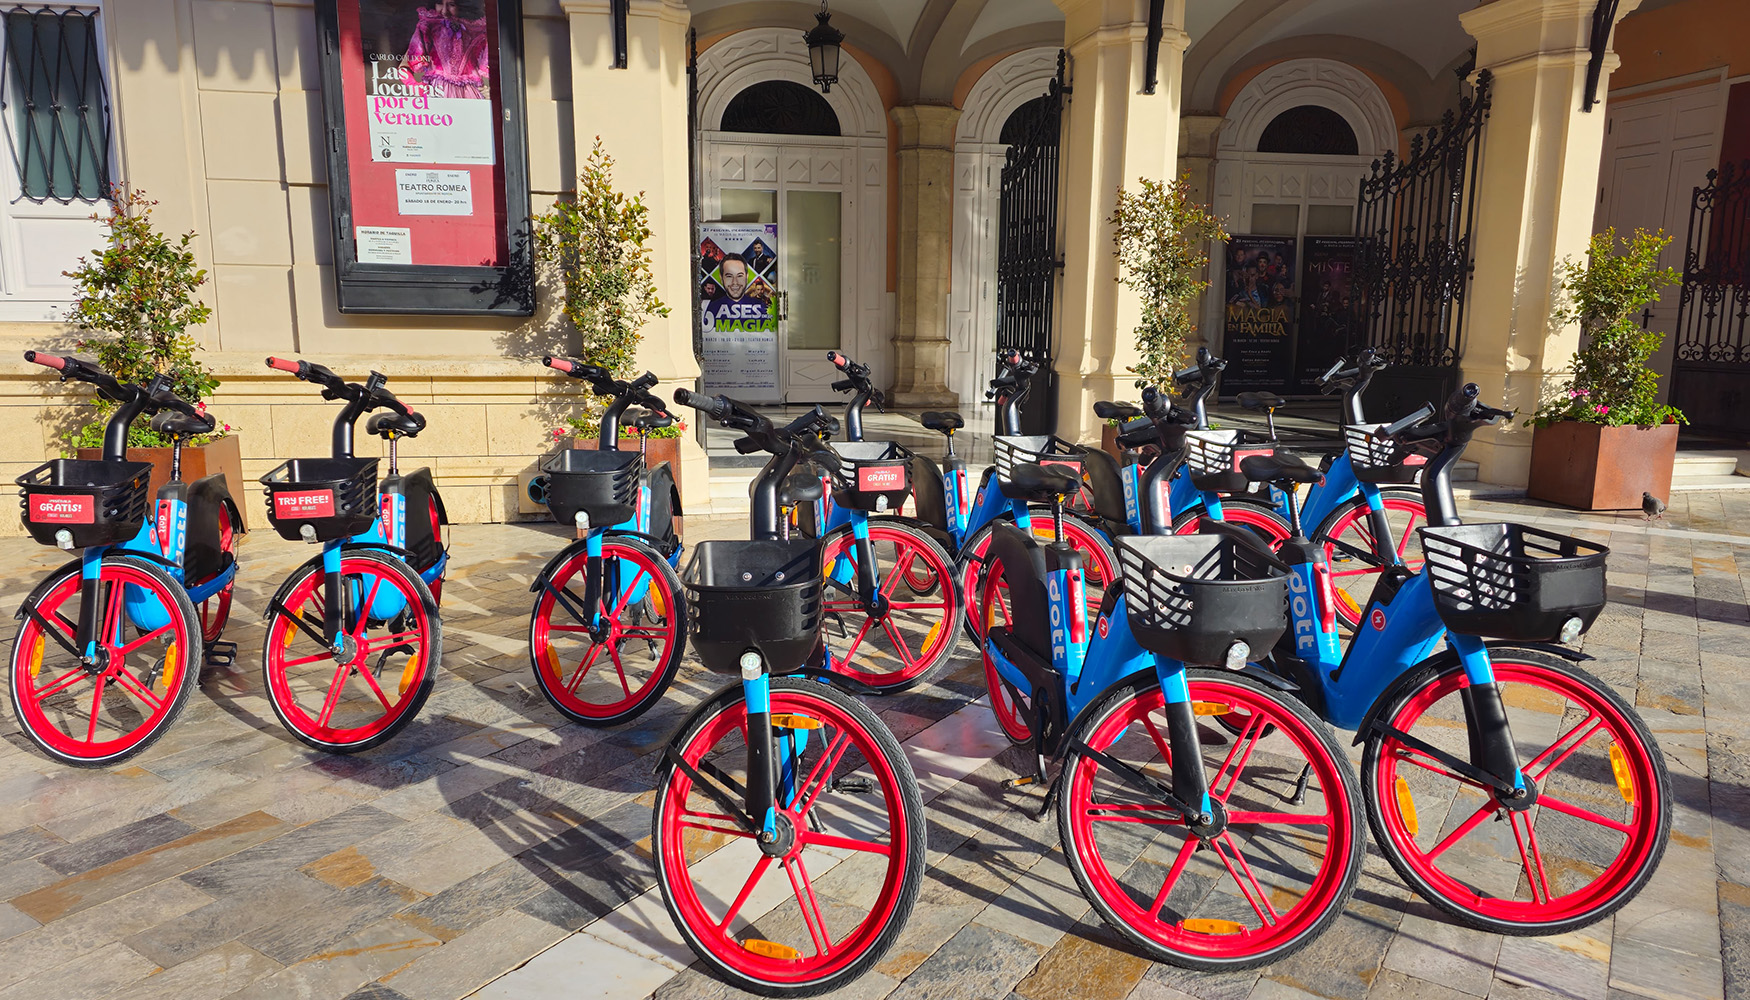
(780, 770)
(962, 519)
(107, 647)
(1443, 729)
(1187, 846)
(631, 606)
(366, 608)
(888, 580)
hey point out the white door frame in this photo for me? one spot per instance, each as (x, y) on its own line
(978, 165)
(855, 163)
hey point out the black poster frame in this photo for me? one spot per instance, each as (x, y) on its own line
(433, 290)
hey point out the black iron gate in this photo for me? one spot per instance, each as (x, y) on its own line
(1414, 261)
(1027, 259)
(1710, 370)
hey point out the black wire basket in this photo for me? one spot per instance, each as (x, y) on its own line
(602, 484)
(758, 595)
(1213, 458)
(1191, 597)
(1380, 459)
(335, 497)
(875, 475)
(1012, 451)
(1509, 581)
(96, 503)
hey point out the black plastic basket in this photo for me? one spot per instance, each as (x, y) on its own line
(1508, 581)
(337, 497)
(97, 503)
(603, 484)
(764, 595)
(876, 475)
(1014, 450)
(1190, 597)
(1376, 458)
(1213, 458)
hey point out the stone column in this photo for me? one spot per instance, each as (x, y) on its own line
(1198, 135)
(1539, 185)
(642, 120)
(1114, 134)
(926, 248)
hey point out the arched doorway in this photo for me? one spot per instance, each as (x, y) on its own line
(774, 150)
(1297, 141)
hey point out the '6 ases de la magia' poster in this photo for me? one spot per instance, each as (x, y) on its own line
(427, 182)
(738, 273)
(1258, 319)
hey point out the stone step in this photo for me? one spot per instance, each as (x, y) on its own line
(1689, 484)
(1703, 464)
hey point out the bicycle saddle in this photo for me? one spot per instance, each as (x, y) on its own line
(1038, 482)
(1278, 468)
(646, 420)
(1261, 400)
(798, 488)
(389, 422)
(942, 420)
(181, 425)
(1116, 411)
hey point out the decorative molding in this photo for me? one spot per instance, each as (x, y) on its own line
(760, 54)
(1323, 82)
(1004, 87)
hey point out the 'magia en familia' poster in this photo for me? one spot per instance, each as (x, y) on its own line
(1258, 316)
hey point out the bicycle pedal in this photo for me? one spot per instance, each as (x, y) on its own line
(853, 784)
(1021, 782)
(222, 653)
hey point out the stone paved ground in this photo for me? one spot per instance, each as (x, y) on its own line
(493, 851)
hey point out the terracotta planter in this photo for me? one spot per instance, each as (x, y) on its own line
(660, 450)
(1109, 441)
(224, 455)
(1593, 467)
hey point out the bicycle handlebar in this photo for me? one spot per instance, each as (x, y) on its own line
(715, 407)
(604, 383)
(1393, 430)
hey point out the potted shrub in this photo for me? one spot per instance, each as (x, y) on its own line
(1602, 438)
(137, 298)
(1161, 238)
(662, 445)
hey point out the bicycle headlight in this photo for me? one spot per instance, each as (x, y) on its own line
(64, 539)
(751, 666)
(1571, 630)
(1237, 655)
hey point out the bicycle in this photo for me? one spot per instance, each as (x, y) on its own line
(631, 607)
(1439, 740)
(872, 552)
(1156, 814)
(782, 770)
(108, 695)
(373, 589)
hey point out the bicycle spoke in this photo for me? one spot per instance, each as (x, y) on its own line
(1248, 886)
(1463, 829)
(1279, 819)
(112, 616)
(332, 698)
(627, 591)
(1529, 858)
(96, 710)
(847, 843)
(1172, 878)
(1583, 730)
(1248, 738)
(1160, 741)
(857, 641)
(387, 641)
(59, 684)
(364, 610)
(900, 649)
(759, 870)
(1408, 756)
(371, 682)
(822, 772)
(1143, 813)
(811, 914)
(902, 564)
(729, 827)
(132, 684)
(141, 641)
(619, 668)
(1545, 799)
(583, 668)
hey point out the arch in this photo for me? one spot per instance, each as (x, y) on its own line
(1322, 82)
(1010, 83)
(780, 107)
(758, 55)
(1311, 129)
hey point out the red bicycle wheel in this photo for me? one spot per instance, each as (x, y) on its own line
(1585, 844)
(215, 611)
(1267, 523)
(601, 675)
(821, 904)
(1347, 537)
(361, 696)
(1099, 565)
(91, 715)
(898, 649)
(1012, 711)
(1259, 882)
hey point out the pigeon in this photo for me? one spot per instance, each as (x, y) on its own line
(1653, 507)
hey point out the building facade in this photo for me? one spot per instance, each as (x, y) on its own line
(886, 194)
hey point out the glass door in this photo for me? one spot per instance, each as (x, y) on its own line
(811, 314)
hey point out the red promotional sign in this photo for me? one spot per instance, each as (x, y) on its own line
(1244, 453)
(303, 506)
(63, 510)
(877, 478)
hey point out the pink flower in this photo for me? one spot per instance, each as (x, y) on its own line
(1601, 409)
(1579, 393)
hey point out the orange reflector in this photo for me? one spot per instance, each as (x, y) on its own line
(930, 640)
(771, 949)
(1348, 603)
(550, 660)
(787, 721)
(1625, 781)
(1210, 708)
(409, 674)
(167, 680)
(1207, 925)
(291, 633)
(36, 657)
(656, 604)
(1407, 807)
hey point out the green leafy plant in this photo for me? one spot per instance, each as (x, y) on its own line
(590, 427)
(137, 298)
(1161, 238)
(596, 246)
(1610, 382)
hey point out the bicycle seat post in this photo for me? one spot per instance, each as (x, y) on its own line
(176, 458)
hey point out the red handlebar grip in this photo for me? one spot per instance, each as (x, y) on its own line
(283, 365)
(837, 358)
(46, 360)
(558, 364)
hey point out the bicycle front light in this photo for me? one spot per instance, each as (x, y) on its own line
(1571, 630)
(1237, 655)
(751, 666)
